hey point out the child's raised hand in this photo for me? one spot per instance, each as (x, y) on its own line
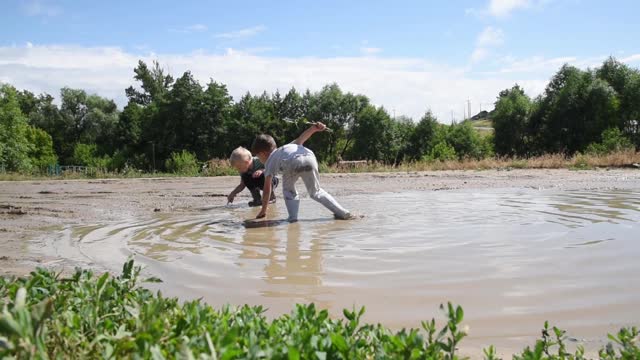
(319, 126)
(257, 174)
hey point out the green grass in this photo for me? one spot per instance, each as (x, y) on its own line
(90, 317)
(482, 123)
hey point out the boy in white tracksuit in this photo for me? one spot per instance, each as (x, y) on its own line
(294, 161)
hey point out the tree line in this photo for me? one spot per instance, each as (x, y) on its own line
(591, 110)
(166, 119)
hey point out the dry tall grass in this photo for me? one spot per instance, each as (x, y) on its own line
(219, 167)
(549, 161)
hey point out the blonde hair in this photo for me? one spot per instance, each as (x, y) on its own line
(239, 154)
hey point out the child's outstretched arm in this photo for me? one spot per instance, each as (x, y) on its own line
(235, 192)
(316, 127)
(266, 195)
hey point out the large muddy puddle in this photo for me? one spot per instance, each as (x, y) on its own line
(512, 258)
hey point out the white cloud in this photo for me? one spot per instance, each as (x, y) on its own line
(243, 33)
(479, 54)
(542, 65)
(631, 59)
(489, 37)
(537, 64)
(190, 29)
(504, 8)
(42, 8)
(198, 27)
(370, 50)
(248, 51)
(501, 8)
(408, 85)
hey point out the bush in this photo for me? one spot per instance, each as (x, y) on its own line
(487, 146)
(88, 317)
(581, 162)
(466, 141)
(182, 163)
(85, 155)
(41, 153)
(613, 140)
(118, 161)
(219, 167)
(441, 152)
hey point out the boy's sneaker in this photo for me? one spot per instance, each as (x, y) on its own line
(257, 199)
(347, 216)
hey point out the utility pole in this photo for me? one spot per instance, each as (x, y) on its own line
(153, 155)
(469, 105)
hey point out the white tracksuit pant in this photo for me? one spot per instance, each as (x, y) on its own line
(305, 166)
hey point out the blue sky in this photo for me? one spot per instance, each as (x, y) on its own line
(407, 55)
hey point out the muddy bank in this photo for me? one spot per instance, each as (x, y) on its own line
(32, 209)
(515, 248)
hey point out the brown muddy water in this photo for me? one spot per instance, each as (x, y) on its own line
(512, 258)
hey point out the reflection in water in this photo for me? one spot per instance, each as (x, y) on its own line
(288, 265)
(513, 258)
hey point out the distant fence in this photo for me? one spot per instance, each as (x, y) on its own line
(60, 170)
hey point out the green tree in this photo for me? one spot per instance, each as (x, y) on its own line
(251, 116)
(339, 111)
(403, 129)
(14, 144)
(422, 140)
(46, 116)
(510, 121)
(88, 119)
(28, 102)
(154, 82)
(566, 119)
(465, 140)
(128, 130)
(174, 124)
(212, 135)
(150, 119)
(374, 136)
(626, 83)
(41, 152)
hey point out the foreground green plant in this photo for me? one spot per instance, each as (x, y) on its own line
(86, 316)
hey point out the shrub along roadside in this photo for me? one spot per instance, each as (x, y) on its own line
(86, 316)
